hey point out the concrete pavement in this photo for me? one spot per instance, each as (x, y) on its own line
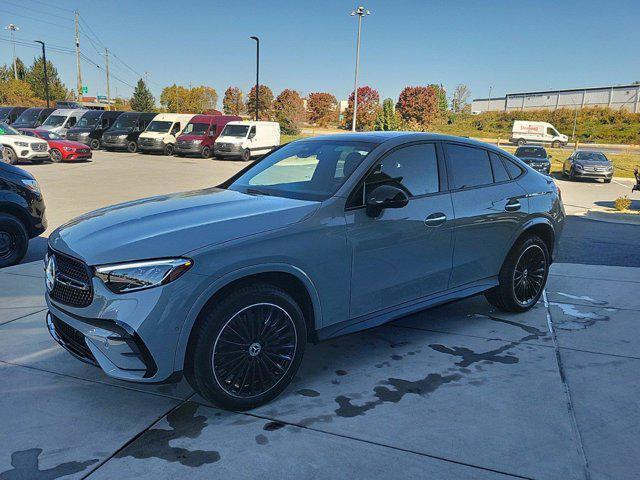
(461, 391)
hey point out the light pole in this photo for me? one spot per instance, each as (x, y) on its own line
(360, 12)
(489, 102)
(13, 28)
(46, 79)
(257, 73)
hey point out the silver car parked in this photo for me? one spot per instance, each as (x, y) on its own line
(322, 237)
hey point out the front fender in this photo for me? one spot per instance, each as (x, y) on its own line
(220, 282)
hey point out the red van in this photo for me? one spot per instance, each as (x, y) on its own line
(198, 136)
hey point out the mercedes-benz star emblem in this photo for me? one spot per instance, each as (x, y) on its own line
(50, 273)
(254, 349)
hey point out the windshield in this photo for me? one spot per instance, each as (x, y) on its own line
(54, 120)
(7, 130)
(530, 152)
(47, 135)
(235, 131)
(196, 128)
(30, 115)
(4, 112)
(159, 126)
(88, 121)
(125, 122)
(592, 156)
(306, 170)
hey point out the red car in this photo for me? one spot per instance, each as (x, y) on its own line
(60, 149)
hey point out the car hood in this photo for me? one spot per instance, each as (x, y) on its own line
(51, 128)
(70, 144)
(24, 138)
(188, 138)
(174, 225)
(592, 163)
(154, 135)
(533, 159)
(80, 130)
(230, 139)
(117, 132)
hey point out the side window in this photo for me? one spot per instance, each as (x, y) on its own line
(71, 122)
(176, 128)
(499, 171)
(212, 129)
(470, 166)
(252, 132)
(413, 169)
(514, 170)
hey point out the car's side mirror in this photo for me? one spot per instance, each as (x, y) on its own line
(385, 196)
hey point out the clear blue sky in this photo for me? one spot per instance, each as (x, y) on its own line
(310, 45)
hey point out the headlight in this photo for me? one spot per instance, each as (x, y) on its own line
(610, 168)
(197, 142)
(130, 277)
(68, 149)
(122, 137)
(31, 185)
(579, 166)
(22, 144)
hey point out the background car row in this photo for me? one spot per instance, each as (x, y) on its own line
(164, 133)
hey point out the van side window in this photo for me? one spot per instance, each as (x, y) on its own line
(252, 132)
(176, 128)
(514, 169)
(212, 129)
(71, 122)
(470, 166)
(499, 171)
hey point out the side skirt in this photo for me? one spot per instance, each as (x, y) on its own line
(393, 313)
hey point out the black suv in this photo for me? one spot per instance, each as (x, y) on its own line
(21, 212)
(536, 157)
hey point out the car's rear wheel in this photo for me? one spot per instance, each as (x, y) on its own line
(14, 240)
(10, 156)
(132, 147)
(95, 144)
(522, 141)
(56, 155)
(556, 144)
(247, 347)
(522, 277)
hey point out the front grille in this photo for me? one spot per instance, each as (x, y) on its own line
(148, 141)
(83, 150)
(39, 147)
(72, 339)
(73, 282)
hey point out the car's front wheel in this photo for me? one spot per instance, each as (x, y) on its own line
(132, 147)
(206, 152)
(9, 156)
(95, 144)
(246, 347)
(14, 240)
(522, 277)
(55, 155)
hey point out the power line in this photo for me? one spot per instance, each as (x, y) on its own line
(39, 20)
(39, 11)
(47, 4)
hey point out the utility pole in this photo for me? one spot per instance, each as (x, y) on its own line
(79, 86)
(106, 58)
(46, 79)
(257, 75)
(12, 29)
(489, 102)
(360, 12)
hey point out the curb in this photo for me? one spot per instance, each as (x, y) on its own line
(611, 217)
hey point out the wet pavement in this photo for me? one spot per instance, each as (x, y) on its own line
(457, 392)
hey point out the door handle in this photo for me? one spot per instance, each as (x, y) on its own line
(435, 219)
(512, 206)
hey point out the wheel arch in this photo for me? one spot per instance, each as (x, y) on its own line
(540, 226)
(18, 211)
(290, 278)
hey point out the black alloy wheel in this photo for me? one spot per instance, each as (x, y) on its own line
(529, 275)
(254, 350)
(132, 147)
(14, 240)
(206, 152)
(246, 155)
(168, 149)
(95, 144)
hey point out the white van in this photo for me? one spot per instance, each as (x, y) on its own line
(21, 147)
(161, 133)
(247, 139)
(536, 132)
(62, 120)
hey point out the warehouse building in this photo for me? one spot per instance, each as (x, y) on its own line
(618, 97)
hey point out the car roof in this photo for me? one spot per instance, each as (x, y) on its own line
(540, 147)
(589, 151)
(381, 137)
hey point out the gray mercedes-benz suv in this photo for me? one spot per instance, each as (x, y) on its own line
(322, 237)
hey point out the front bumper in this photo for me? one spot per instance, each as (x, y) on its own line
(227, 150)
(82, 138)
(188, 148)
(131, 337)
(594, 175)
(78, 156)
(544, 169)
(114, 142)
(27, 154)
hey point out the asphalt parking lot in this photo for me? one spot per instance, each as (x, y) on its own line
(458, 392)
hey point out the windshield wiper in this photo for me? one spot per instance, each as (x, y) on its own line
(255, 191)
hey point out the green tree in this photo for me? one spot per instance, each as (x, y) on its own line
(232, 103)
(265, 103)
(387, 117)
(35, 77)
(441, 94)
(289, 112)
(142, 100)
(17, 92)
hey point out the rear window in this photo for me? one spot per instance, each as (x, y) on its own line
(470, 166)
(499, 171)
(514, 170)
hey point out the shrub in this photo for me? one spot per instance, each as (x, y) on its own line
(622, 203)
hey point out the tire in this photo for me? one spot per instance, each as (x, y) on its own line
(10, 156)
(95, 144)
(56, 155)
(518, 289)
(521, 142)
(556, 144)
(243, 316)
(168, 149)
(14, 240)
(572, 174)
(132, 147)
(246, 155)
(206, 152)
